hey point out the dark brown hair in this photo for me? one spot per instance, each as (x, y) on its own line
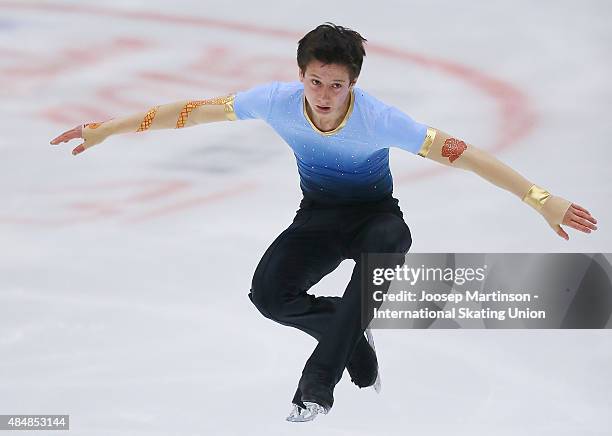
(332, 44)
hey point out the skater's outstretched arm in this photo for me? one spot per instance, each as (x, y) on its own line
(450, 151)
(184, 113)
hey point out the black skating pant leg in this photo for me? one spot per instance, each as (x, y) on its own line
(319, 238)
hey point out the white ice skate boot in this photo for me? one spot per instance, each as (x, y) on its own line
(310, 412)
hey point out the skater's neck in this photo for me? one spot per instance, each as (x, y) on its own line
(333, 121)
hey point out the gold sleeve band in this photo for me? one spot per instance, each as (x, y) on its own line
(429, 139)
(536, 197)
(551, 207)
(229, 108)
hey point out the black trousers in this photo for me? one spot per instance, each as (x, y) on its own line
(319, 238)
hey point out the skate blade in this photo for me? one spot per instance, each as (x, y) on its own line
(308, 414)
(378, 382)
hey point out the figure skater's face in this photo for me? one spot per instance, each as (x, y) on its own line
(326, 88)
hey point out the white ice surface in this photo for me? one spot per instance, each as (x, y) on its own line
(124, 271)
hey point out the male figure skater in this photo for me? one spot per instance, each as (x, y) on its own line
(340, 136)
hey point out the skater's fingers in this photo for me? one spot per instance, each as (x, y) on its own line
(574, 214)
(580, 208)
(584, 222)
(579, 226)
(561, 232)
(73, 133)
(585, 215)
(62, 138)
(577, 206)
(582, 214)
(79, 149)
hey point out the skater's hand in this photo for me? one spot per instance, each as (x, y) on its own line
(578, 218)
(75, 133)
(557, 210)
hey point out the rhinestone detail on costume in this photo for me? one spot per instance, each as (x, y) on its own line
(197, 103)
(92, 125)
(453, 148)
(148, 119)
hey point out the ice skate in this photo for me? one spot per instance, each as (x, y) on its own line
(307, 413)
(377, 383)
(363, 365)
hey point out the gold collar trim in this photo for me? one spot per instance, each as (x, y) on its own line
(342, 124)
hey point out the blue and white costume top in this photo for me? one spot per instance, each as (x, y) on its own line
(347, 165)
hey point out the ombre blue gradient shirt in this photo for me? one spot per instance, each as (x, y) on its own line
(347, 165)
